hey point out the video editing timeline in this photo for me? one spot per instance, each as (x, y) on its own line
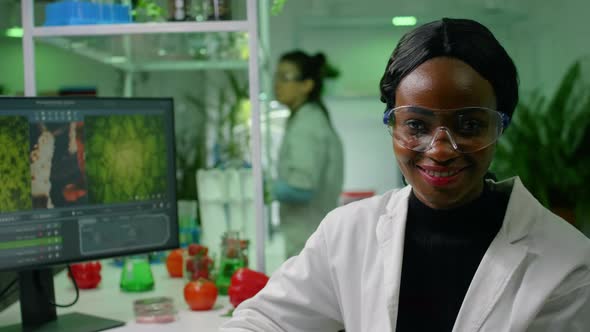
(98, 173)
(104, 235)
(30, 244)
(54, 235)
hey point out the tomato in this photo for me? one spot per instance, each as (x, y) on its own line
(199, 266)
(206, 263)
(200, 294)
(197, 249)
(190, 265)
(200, 274)
(174, 263)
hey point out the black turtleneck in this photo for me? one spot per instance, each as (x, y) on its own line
(442, 251)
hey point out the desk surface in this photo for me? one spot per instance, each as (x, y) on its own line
(110, 302)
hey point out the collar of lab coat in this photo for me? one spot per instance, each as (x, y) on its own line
(495, 270)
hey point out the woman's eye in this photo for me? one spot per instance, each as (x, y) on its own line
(471, 126)
(416, 125)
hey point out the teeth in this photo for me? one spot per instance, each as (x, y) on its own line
(441, 174)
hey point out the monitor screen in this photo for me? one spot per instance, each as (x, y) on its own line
(85, 178)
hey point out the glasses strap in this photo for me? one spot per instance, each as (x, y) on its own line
(386, 115)
(505, 120)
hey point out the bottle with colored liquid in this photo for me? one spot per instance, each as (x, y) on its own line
(232, 258)
(136, 275)
(178, 10)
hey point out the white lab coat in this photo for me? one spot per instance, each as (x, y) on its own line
(535, 276)
(311, 157)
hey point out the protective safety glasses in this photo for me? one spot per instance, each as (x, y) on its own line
(286, 77)
(467, 129)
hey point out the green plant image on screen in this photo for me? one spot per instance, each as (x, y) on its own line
(15, 170)
(124, 158)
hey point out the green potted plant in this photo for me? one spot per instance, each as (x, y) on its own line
(547, 144)
(226, 116)
(191, 150)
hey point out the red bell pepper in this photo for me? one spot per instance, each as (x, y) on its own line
(86, 275)
(245, 283)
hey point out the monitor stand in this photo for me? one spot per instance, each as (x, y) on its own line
(38, 315)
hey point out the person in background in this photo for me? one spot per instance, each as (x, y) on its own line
(452, 251)
(310, 161)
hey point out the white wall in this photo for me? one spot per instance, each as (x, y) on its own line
(368, 153)
(555, 37)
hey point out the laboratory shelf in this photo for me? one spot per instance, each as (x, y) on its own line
(139, 28)
(161, 52)
(115, 44)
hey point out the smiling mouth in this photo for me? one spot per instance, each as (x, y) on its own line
(438, 178)
(442, 174)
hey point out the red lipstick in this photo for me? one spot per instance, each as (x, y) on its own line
(427, 173)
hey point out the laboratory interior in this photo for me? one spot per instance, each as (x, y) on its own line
(147, 146)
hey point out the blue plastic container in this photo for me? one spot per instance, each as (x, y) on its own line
(188, 235)
(122, 14)
(84, 12)
(114, 14)
(71, 13)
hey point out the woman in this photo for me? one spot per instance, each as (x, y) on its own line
(451, 251)
(310, 162)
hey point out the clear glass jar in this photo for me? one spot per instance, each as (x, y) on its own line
(154, 310)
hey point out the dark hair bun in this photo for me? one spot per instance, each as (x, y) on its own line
(311, 66)
(319, 59)
(326, 69)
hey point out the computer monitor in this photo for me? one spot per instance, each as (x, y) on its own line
(82, 179)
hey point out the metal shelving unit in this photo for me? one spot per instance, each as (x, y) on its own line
(250, 26)
(141, 28)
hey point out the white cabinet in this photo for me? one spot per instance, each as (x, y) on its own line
(62, 36)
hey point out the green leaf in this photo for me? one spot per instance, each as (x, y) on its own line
(277, 7)
(229, 313)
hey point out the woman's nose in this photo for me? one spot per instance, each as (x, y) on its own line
(442, 147)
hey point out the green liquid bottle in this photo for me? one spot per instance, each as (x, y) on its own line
(136, 275)
(233, 257)
(226, 269)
